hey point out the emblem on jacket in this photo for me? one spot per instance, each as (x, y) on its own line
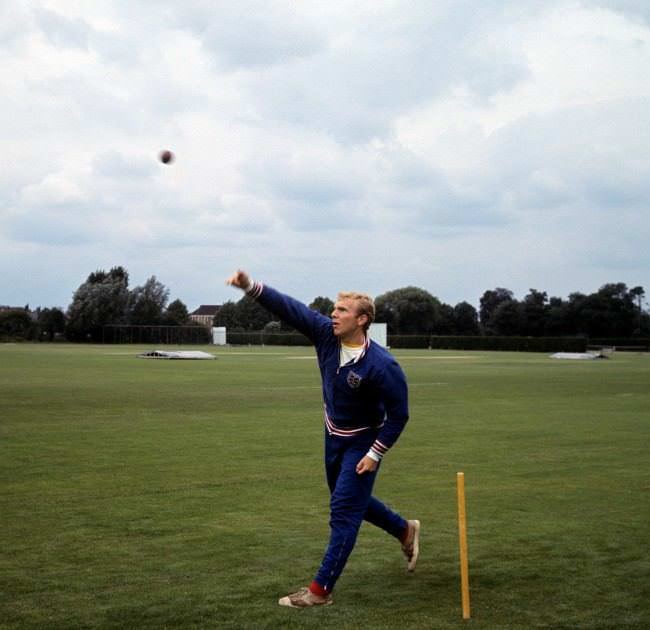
(354, 380)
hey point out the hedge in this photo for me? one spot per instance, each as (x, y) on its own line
(623, 343)
(261, 338)
(409, 341)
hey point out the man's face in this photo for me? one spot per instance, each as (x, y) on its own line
(345, 320)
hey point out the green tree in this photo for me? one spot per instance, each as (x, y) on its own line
(102, 299)
(490, 300)
(557, 320)
(638, 294)
(644, 323)
(508, 318)
(574, 313)
(534, 312)
(446, 321)
(610, 312)
(227, 316)
(51, 321)
(17, 324)
(252, 315)
(323, 305)
(176, 314)
(408, 310)
(147, 303)
(466, 319)
(246, 314)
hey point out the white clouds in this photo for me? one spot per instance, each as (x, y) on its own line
(313, 139)
(594, 157)
(384, 63)
(240, 35)
(572, 138)
(54, 189)
(632, 9)
(574, 57)
(62, 32)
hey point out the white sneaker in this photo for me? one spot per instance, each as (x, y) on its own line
(304, 598)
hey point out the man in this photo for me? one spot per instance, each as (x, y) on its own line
(366, 408)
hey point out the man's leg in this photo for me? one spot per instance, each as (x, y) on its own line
(348, 505)
(383, 517)
(407, 532)
(351, 502)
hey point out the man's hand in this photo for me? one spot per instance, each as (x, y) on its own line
(239, 279)
(367, 464)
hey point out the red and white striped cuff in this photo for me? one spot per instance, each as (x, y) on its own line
(377, 450)
(254, 289)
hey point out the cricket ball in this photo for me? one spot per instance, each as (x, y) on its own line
(166, 156)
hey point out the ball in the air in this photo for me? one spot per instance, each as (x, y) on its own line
(166, 157)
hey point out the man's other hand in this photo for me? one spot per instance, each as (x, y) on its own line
(367, 464)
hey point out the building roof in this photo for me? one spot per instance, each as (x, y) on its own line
(207, 309)
(5, 307)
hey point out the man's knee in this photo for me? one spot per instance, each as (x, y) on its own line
(347, 511)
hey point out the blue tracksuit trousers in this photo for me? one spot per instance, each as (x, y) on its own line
(351, 502)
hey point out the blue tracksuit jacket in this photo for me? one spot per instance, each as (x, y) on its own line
(369, 393)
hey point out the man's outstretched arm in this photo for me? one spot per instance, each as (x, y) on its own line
(309, 322)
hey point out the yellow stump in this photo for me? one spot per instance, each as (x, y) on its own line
(462, 538)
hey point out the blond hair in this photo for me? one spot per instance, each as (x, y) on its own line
(364, 303)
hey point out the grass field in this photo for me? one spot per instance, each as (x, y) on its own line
(141, 493)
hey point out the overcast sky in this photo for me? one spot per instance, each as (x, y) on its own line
(454, 145)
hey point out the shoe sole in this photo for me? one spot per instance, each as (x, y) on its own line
(416, 548)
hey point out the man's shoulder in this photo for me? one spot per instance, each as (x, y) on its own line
(384, 366)
(380, 355)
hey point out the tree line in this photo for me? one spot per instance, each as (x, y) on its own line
(105, 298)
(612, 311)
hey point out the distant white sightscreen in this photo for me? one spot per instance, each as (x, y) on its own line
(379, 334)
(219, 335)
